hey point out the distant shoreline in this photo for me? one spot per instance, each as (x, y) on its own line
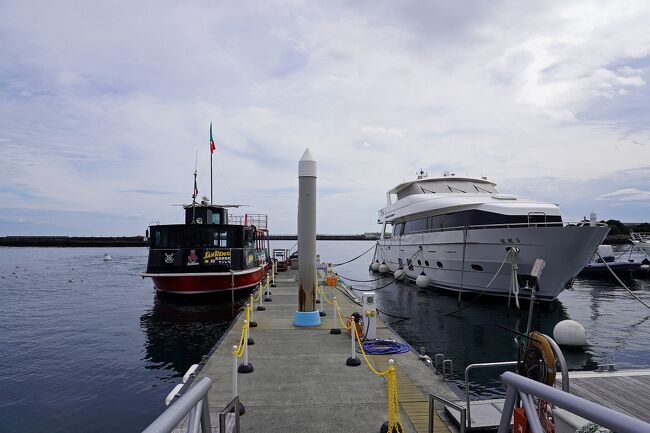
(139, 241)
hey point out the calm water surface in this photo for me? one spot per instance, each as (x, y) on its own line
(88, 346)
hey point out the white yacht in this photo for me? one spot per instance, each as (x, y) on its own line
(459, 233)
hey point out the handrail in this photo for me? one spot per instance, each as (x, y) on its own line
(432, 400)
(504, 225)
(467, 391)
(232, 409)
(193, 401)
(594, 412)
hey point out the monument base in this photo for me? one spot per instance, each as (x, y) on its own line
(306, 318)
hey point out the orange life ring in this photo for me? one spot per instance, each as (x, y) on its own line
(538, 340)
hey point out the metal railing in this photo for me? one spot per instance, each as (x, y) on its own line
(229, 417)
(432, 421)
(559, 357)
(260, 221)
(193, 403)
(525, 388)
(467, 390)
(504, 225)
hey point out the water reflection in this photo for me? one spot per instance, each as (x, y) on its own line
(180, 330)
(473, 335)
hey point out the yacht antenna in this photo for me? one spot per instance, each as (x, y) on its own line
(195, 192)
(422, 174)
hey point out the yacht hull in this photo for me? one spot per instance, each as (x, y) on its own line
(467, 260)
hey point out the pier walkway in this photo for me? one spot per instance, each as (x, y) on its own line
(300, 381)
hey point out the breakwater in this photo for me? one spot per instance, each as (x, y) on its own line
(139, 241)
(73, 241)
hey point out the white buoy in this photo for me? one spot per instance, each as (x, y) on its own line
(383, 268)
(375, 266)
(399, 274)
(570, 333)
(422, 281)
(107, 257)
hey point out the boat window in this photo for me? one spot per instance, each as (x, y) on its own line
(397, 229)
(454, 189)
(418, 225)
(479, 189)
(221, 238)
(477, 268)
(248, 238)
(439, 264)
(216, 217)
(169, 237)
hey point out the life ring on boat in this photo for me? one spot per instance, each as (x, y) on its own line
(538, 360)
(356, 320)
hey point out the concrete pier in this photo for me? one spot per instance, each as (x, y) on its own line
(301, 383)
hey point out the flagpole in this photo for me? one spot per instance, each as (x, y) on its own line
(210, 177)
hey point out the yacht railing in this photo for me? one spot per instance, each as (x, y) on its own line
(640, 236)
(260, 221)
(497, 226)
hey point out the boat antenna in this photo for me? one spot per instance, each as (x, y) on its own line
(195, 192)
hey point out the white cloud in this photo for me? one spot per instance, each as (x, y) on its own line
(626, 194)
(98, 99)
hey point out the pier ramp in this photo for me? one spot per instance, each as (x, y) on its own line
(301, 382)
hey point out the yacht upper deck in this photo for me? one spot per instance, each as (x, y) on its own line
(447, 183)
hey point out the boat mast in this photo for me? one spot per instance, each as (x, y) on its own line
(195, 192)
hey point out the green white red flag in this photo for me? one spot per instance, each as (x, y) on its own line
(212, 146)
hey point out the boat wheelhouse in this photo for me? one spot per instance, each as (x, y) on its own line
(460, 234)
(211, 252)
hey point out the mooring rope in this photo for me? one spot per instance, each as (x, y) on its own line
(621, 282)
(357, 257)
(482, 291)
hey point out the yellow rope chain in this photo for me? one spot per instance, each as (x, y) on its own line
(261, 289)
(322, 292)
(244, 334)
(394, 418)
(392, 397)
(343, 324)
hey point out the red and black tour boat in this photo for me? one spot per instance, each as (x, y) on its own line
(212, 252)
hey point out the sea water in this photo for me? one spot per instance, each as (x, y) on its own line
(87, 345)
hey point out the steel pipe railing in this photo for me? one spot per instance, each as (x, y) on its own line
(432, 423)
(594, 412)
(467, 390)
(195, 403)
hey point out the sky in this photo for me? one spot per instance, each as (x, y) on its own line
(105, 107)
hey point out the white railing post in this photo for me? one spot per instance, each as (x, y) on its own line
(250, 304)
(353, 361)
(234, 372)
(335, 330)
(246, 367)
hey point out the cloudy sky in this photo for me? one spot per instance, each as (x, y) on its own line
(104, 106)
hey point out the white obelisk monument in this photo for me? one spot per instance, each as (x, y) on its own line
(307, 315)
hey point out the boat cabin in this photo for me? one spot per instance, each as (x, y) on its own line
(207, 242)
